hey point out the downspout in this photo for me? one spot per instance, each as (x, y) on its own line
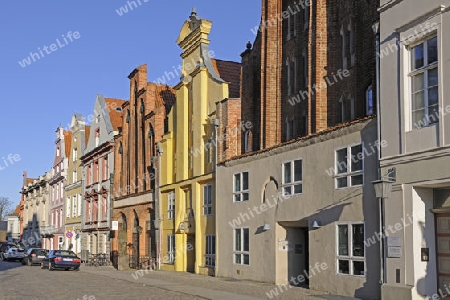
(376, 29)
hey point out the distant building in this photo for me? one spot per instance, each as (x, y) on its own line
(98, 164)
(74, 184)
(37, 231)
(13, 234)
(57, 182)
(3, 230)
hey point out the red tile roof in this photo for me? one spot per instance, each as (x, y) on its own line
(67, 141)
(229, 71)
(17, 210)
(114, 115)
(30, 180)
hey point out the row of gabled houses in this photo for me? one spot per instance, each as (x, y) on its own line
(267, 169)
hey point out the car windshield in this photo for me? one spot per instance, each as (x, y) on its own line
(65, 253)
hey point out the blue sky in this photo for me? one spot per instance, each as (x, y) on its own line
(39, 97)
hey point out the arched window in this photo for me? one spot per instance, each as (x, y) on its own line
(124, 222)
(151, 137)
(288, 72)
(248, 141)
(142, 106)
(370, 107)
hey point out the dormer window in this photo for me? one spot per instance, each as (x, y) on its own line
(120, 148)
(128, 116)
(97, 137)
(142, 106)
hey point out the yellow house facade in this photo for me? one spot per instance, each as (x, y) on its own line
(187, 183)
(73, 185)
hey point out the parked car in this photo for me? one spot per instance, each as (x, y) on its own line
(34, 256)
(4, 247)
(61, 259)
(14, 254)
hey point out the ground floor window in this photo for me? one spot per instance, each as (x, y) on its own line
(351, 252)
(241, 246)
(171, 248)
(210, 256)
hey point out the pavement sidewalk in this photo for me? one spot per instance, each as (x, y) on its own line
(207, 287)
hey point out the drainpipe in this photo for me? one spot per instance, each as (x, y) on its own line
(157, 202)
(376, 31)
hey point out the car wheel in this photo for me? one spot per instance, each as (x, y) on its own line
(50, 266)
(24, 262)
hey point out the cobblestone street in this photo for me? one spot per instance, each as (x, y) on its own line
(19, 282)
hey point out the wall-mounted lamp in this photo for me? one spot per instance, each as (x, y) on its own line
(316, 225)
(425, 254)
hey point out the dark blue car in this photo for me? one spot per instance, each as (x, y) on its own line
(61, 259)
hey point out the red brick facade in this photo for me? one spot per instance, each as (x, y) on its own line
(143, 125)
(309, 68)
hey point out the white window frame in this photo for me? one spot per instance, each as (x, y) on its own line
(171, 248)
(207, 199)
(241, 251)
(292, 183)
(350, 258)
(75, 154)
(241, 192)
(210, 253)
(349, 174)
(171, 206)
(423, 70)
(68, 204)
(74, 206)
(79, 198)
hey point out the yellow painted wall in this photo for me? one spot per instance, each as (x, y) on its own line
(200, 91)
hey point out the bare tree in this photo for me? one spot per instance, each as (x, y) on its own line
(5, 208)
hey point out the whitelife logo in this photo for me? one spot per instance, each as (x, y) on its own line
(48, 50)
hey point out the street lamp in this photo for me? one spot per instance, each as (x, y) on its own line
(383, 189)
